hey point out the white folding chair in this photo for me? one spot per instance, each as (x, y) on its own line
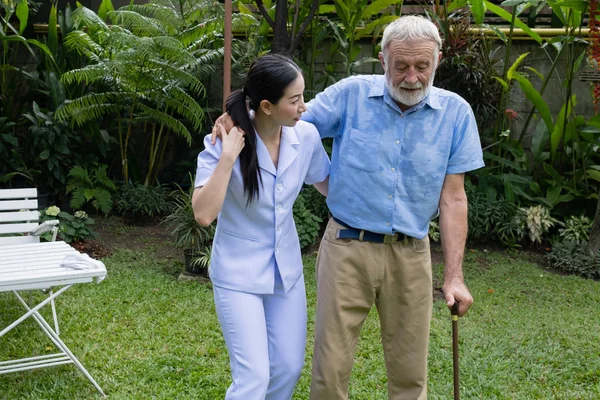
(28, 264)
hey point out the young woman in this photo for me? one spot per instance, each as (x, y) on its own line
(250, 180)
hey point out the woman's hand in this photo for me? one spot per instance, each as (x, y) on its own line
(233, 142)
(225, 121)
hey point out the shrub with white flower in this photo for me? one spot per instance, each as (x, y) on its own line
(81, 215)
(52, 211)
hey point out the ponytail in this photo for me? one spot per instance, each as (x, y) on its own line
(236, 108)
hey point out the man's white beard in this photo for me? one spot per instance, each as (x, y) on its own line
(412, 97)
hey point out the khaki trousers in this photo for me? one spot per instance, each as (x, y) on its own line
(351, 277)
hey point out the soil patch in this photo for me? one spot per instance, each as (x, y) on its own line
(114, 233)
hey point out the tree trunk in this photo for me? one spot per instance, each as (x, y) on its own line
(594, 242)
(283, 42)
(281, 37)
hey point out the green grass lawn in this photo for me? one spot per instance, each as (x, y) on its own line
(142, 334)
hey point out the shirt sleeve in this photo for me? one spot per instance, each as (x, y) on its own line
(466, 154)
(207, 161)
(318, 169)
(326, 110)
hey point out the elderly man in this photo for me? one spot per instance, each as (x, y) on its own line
(400, 151)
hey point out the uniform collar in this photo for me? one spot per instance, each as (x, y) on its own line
(287, 151)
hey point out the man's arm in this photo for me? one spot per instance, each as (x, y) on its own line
(453, 233)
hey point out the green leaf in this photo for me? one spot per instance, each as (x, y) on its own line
(478, 8)
(536, 98)
(593, 174)
(327, 9)
(502, 82)
(578, 5)
(513, 68)
(497, 31)
(52, 30)
(377, 7)
(535, 71)
(44, 155)
(455, 4)
(368, 29)
(558, 133)
(22, 14)
(508, 17)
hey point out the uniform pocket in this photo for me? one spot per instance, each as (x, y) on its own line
(361, 146)
(238, 236)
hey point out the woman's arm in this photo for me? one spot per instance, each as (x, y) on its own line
(207, 200)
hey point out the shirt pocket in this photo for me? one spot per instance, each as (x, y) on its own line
(362, 149)
(238, 236)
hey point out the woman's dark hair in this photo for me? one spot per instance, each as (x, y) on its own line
(267, 79)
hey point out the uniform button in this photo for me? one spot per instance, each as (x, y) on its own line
(401, 115)
(393, 169)
(279, 207)
(279, 229)
(387, 223)
(397, 142)
(280, 187)
(390, 197)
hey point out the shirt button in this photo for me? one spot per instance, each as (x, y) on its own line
(397, 142)
(390, 197)
(393, 169)
(387, 223)
(280, 187)
(279, 229)
(279, 207)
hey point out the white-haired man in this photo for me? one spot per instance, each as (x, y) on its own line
(400, 151)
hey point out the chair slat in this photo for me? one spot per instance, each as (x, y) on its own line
(17, 240)
(19, 216)
(6, 205)
(18, 193)
(18, 228)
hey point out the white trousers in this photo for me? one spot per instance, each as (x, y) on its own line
(265, 335)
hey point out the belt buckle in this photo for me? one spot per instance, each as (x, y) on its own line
(389, 239)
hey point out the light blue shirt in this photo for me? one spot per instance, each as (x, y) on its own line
(251, 242)
(388, 166)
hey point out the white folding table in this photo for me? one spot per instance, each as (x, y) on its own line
(32, 266)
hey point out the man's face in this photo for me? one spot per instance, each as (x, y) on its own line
(409, 70)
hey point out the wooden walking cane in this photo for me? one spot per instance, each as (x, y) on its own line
(454, 312)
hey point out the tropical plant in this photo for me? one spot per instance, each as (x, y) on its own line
(537, 221)
(48, 148)
(469, 65)
(139, 203)
(434, 231)
(147, 68)
(201, 260)
(576, 229)
(93, 187)
(354, 20)
(307, 223)
(188, 234)
(574, 258)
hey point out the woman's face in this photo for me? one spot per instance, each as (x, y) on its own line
(289, 108)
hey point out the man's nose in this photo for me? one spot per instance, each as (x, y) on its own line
(411, 76)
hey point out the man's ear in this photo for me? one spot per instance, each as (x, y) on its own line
(439, 57)
(265, 106)
(382, 60)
